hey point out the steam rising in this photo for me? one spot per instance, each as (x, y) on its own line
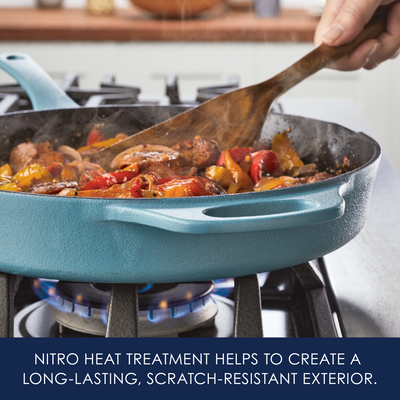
(71, 127)
(313, 140)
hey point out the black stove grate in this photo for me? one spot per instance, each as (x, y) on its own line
(13, 97)
(298, 292)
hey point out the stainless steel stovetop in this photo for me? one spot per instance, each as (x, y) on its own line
(365, 273)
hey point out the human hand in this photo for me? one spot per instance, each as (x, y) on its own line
(343, 20)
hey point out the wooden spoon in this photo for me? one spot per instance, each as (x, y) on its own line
(237, 117)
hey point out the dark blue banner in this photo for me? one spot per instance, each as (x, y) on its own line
(199, 368)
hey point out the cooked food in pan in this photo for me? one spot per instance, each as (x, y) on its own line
(195, 167)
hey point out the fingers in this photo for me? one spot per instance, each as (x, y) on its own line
(350, 20)
(343, 20)
(331, 10)
(359, 57)
(390, 40)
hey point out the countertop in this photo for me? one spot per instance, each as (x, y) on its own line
(220, 24)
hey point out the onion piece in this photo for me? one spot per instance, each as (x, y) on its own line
(70, 153)
(68, 192)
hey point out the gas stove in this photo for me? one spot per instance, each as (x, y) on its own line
(292, 302)
(315, 299)
(14, 98)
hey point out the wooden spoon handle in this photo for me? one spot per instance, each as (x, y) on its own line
(324, 55)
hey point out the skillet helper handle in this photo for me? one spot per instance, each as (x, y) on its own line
(38, 85)
(243, 216)
(325, 55)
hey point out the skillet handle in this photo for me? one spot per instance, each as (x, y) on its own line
(316, 207)
(41, 89)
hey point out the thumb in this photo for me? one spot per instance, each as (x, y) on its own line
(350, 20)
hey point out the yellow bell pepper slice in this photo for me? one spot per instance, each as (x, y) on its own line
(269, 182)
(233, 188)
(103, 143)
(177, 191)
(11, 187)
(31, 175)
(5, 173)
(242, 180)
(219, 174)
(283, 148)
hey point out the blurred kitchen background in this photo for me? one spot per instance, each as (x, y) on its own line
(237, 38)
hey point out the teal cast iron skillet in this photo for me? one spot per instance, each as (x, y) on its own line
(174, 239)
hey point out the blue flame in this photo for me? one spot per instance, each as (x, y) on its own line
(46, 289)
(224, 287)
(146, 288)
(43, 288)
(104, 313)
(154, 315)
(179, 311)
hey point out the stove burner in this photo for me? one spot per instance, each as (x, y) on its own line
(37, 320)
(164, 309)
(295, 302)
(151, 296)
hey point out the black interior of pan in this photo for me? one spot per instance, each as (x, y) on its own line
(316, 141)
(72, 126)
(323, 143)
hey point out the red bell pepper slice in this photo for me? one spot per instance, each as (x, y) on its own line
(194, 185)
(112, 178)
(55, 169)
(264, 161)
(238, 154)
(95, 135)
(136, 190)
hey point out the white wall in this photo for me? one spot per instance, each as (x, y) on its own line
(377, 92)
